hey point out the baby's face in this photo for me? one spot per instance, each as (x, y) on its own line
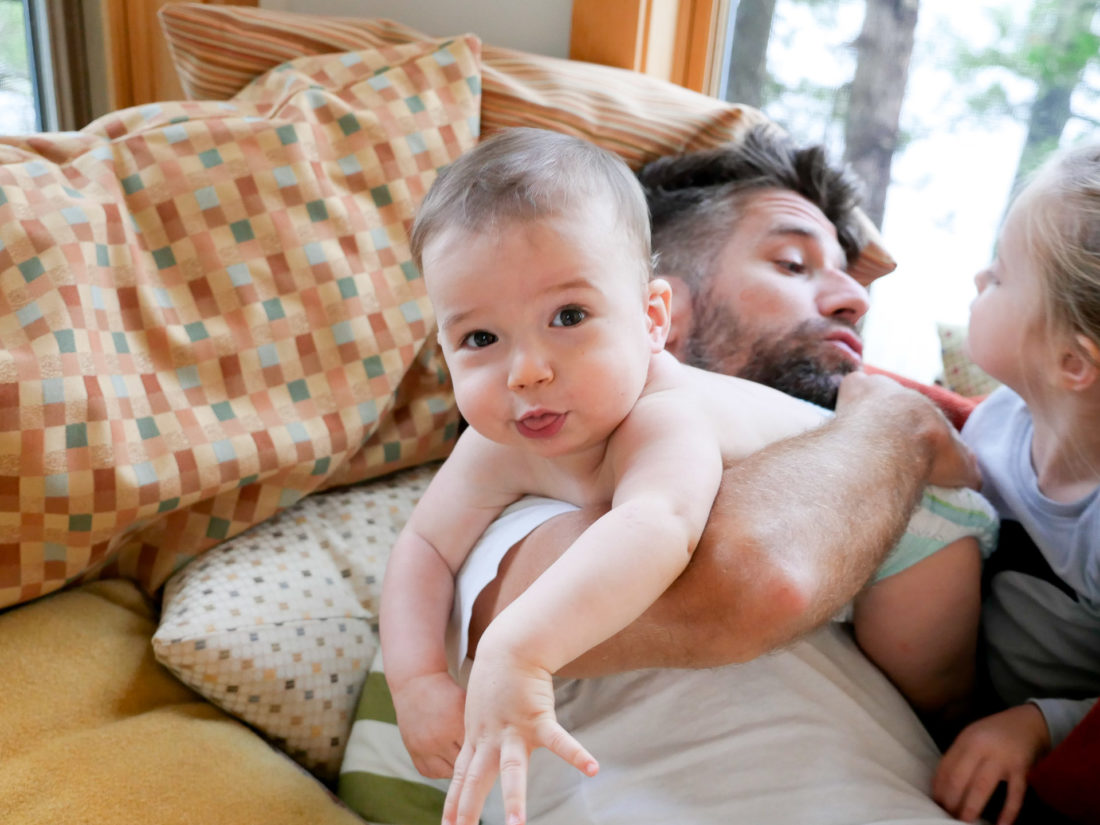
(545, 328)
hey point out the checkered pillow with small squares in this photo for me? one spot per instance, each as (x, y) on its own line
(208, 310)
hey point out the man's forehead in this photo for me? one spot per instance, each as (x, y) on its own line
(772, 214)
(778, 210)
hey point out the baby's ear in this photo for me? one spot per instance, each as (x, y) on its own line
(1079, 364)
(658, 312)
(681, 317)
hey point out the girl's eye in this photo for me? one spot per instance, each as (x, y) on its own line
(568, 317)
(479, 339)
(794, 267)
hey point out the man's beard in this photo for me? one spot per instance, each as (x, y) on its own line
(798, 363)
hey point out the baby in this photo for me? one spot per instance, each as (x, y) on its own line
(535, 250)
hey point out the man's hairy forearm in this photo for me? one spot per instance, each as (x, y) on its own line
(795, 532)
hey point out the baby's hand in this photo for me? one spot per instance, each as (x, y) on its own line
(509, 713)
(998, 748)
(429, 716)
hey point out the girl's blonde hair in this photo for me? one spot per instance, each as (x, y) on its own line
(1062, 226)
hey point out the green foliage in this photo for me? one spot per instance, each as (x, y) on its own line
(993, 100)
(1035, 49)
(811, 110)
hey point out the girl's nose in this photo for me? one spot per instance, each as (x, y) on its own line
(981, 280)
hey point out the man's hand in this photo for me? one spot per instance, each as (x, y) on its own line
(953, 464)
(429, 716)
(510, 712)
(998, 748)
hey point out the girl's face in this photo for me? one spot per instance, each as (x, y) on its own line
(1007, 335)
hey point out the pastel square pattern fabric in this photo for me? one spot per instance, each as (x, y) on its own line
(217, 49)
(279, 625)
(208, 311)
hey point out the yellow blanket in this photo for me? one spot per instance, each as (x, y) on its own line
(93, 730)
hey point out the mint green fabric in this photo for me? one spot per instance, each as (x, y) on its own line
(944, 516)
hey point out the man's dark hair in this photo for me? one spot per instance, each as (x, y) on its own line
(695, 199)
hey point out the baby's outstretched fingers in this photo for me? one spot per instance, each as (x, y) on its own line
(474, 775)
(558, 740)
(513, 779)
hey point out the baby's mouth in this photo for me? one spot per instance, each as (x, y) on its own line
(540, 424)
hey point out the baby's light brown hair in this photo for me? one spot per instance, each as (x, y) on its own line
(527, 174)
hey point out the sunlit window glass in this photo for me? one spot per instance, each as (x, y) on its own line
(941, 106)
(17, 102)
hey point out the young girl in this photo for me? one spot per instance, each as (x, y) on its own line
(1035, 326)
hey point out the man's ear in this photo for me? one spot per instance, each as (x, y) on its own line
(1079, 363)
(681, 316)
(658, 312)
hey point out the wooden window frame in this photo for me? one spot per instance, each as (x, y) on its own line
(675, 40)
(140, 66)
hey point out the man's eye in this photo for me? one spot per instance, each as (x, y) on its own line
(794, 267)
(479, 339)
(568, 317)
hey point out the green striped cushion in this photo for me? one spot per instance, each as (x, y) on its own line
(377, 779)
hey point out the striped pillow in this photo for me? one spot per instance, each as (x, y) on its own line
(218, 49)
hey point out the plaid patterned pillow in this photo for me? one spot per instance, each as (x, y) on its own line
(217, 49)
(208, 311)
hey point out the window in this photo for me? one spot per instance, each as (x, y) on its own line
(46, 76)
(18, 108)
(939, 105)
(990, 88)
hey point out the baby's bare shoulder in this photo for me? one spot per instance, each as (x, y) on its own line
(746, 416)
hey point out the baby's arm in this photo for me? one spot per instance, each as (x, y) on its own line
(920, 626)
(417, 593)
(918, 618)
(667, 468)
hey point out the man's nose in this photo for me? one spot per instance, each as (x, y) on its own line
(842, 296)
(529, 368)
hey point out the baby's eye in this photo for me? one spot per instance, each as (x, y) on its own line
(568, 317)
(479, 339)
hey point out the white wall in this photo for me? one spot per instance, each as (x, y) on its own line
(540, 26)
